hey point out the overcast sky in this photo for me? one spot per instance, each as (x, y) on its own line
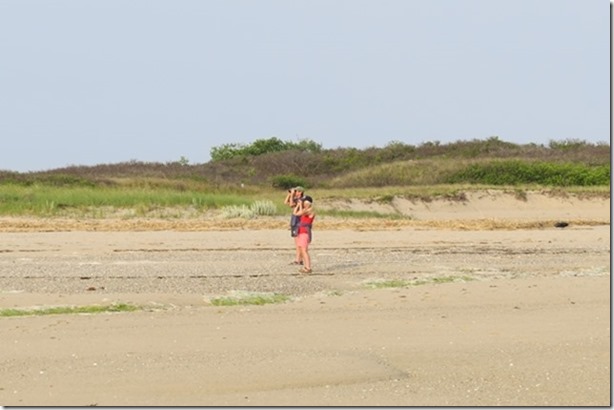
(106, 81)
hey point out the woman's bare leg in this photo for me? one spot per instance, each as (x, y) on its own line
(306, 258)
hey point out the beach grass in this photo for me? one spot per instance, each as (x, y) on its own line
(17, 200)
(403, 283)
(66, 310)
(249, 299)
(164, 202)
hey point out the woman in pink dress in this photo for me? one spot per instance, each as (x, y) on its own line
(304, 210)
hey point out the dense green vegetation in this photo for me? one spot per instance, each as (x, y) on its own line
(40, 199)
(515, 172)
(275, 163)
(240, 174)
(261, 147)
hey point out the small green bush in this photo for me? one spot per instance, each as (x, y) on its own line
(287, 181)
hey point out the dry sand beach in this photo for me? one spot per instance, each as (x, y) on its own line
(505, 310)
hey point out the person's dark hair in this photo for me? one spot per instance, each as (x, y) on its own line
(308, 198)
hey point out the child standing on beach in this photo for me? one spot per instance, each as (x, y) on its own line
(304, 211)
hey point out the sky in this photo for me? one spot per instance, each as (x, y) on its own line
(108, 81)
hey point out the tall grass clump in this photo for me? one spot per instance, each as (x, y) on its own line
(263, 207)
(257, 208)
(238, 211)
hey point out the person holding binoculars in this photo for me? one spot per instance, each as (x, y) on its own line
(301, 205)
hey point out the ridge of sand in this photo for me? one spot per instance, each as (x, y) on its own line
(474, 211)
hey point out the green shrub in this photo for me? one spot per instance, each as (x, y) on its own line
(515, 172)
(261, 147)
(261, 163)
(287, 181)
(568, 144)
